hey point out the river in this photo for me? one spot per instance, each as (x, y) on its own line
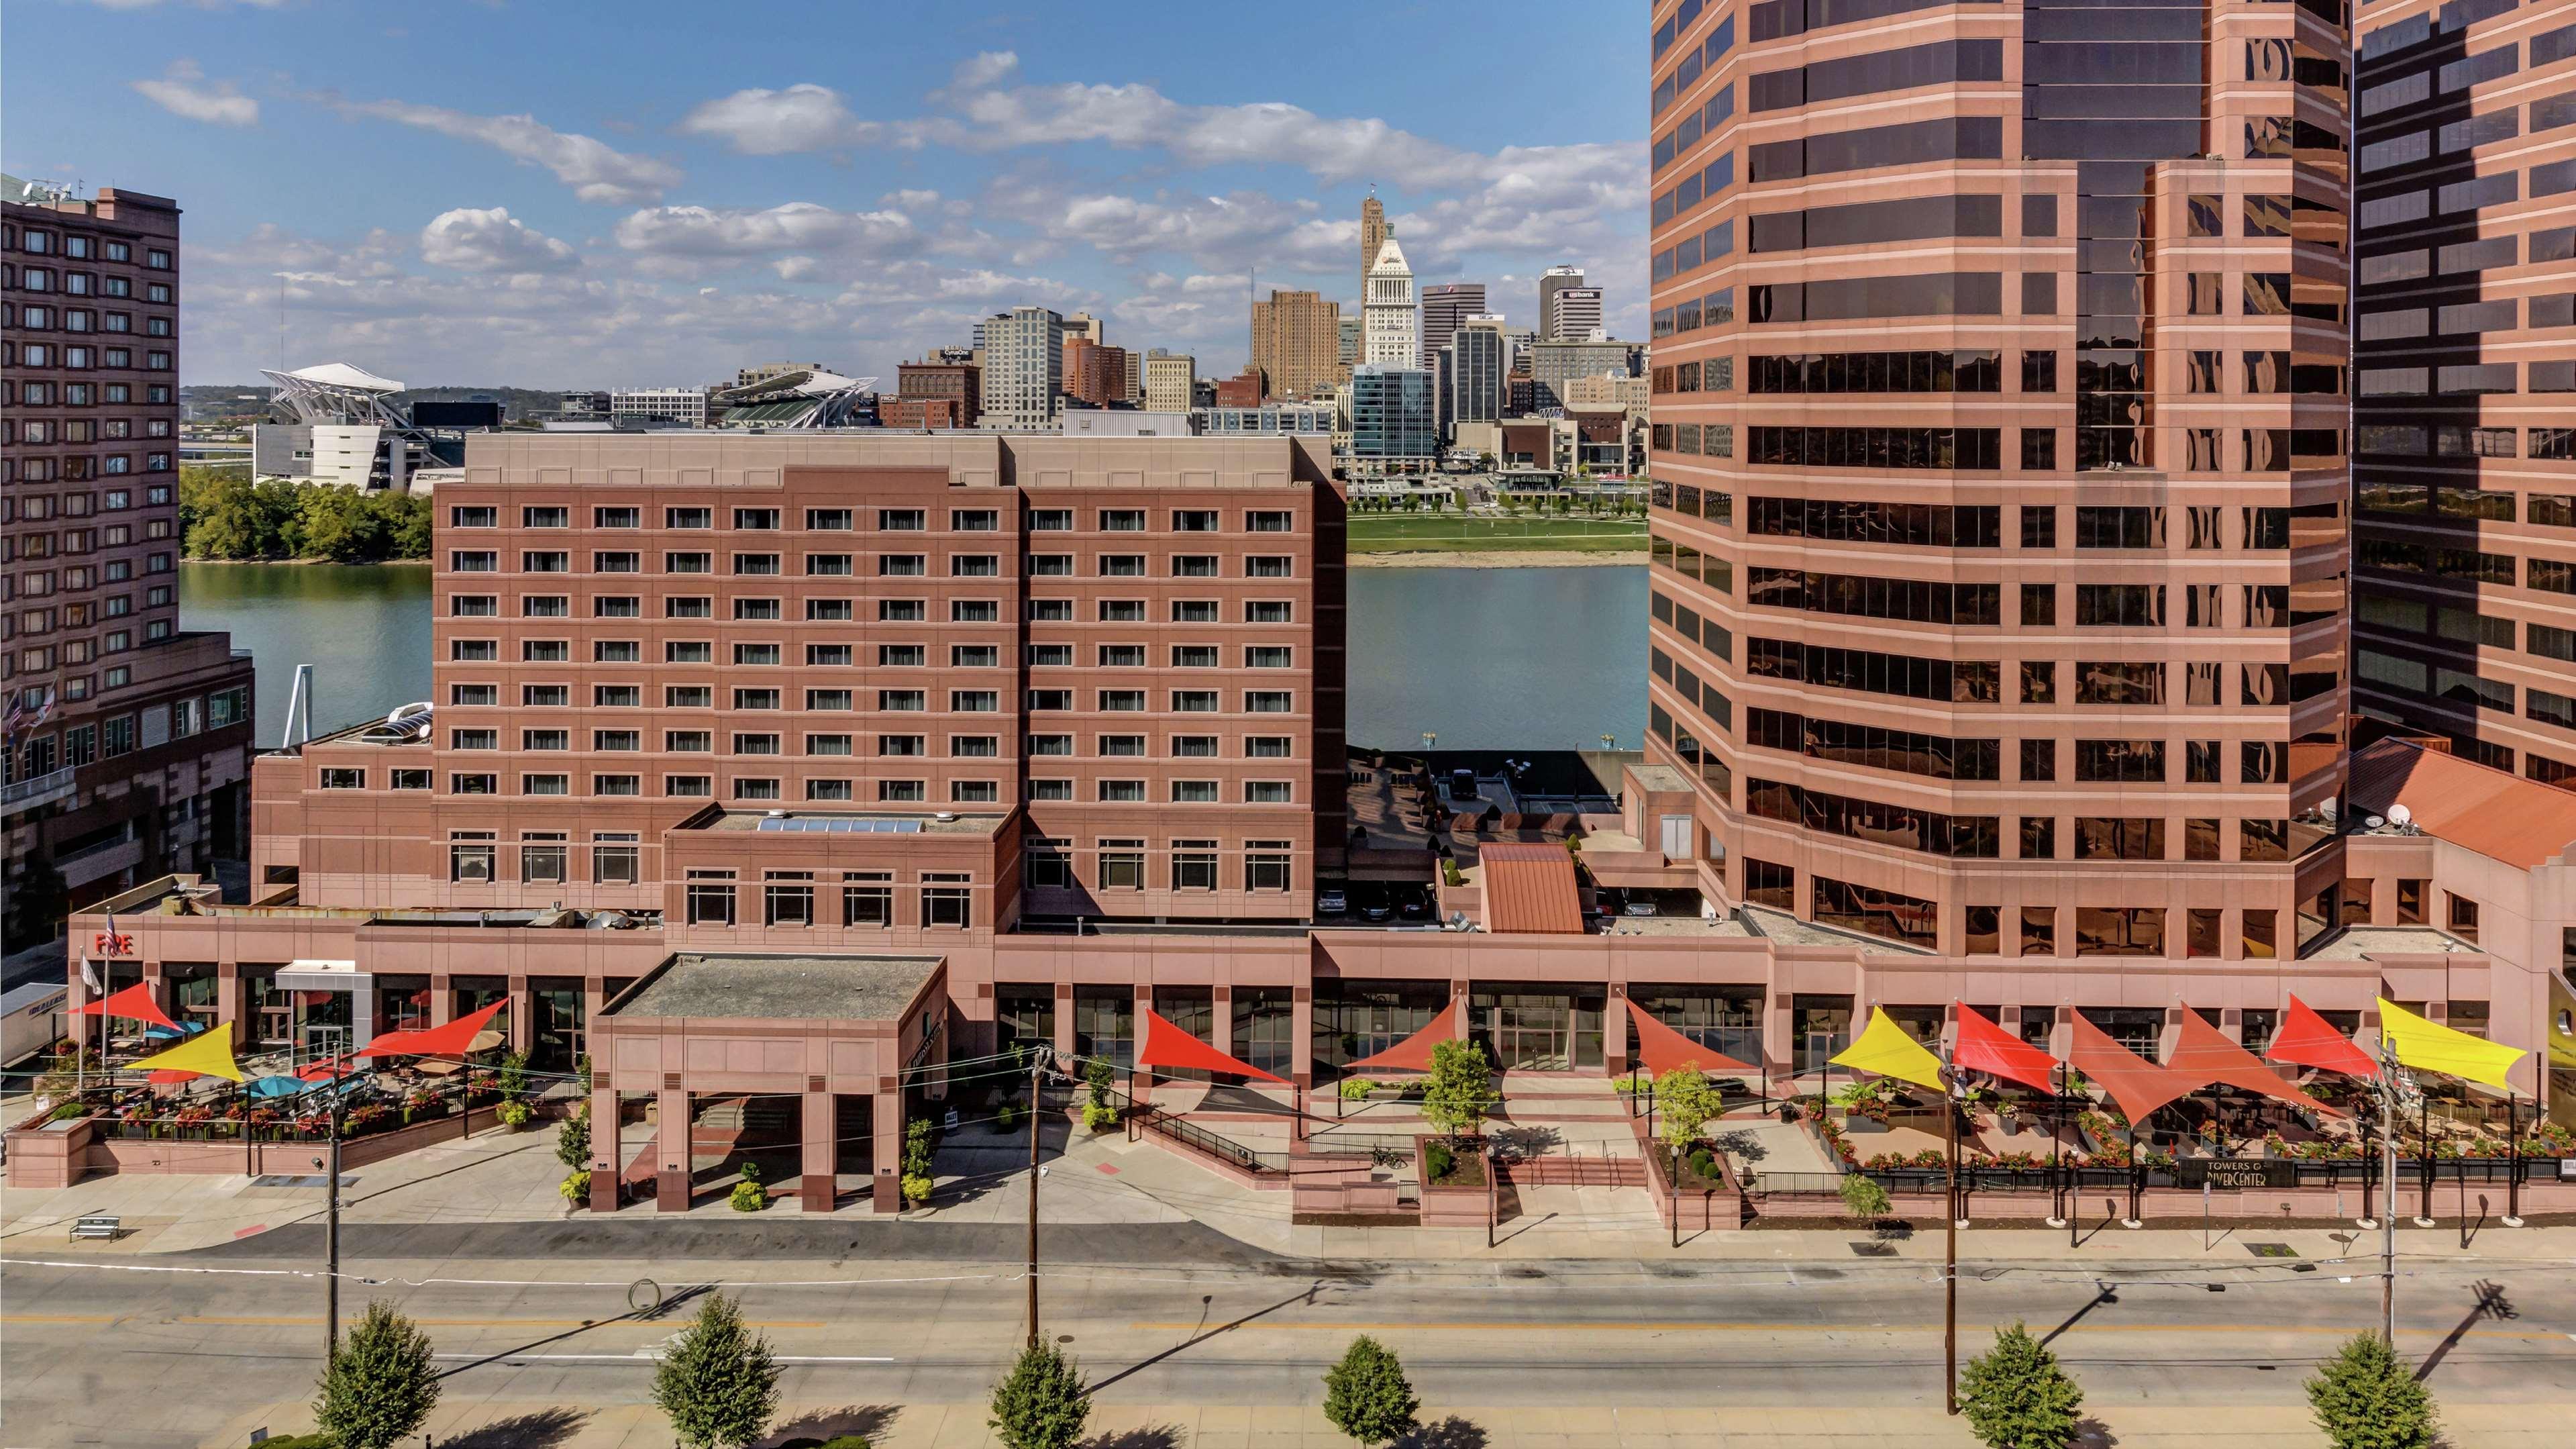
(1488, 659)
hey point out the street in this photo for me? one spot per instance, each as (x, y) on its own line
(148, 1359)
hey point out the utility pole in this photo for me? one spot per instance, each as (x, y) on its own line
(2388, 1209)
(330, 1166)
(1950, 1262)
(1037, 1129)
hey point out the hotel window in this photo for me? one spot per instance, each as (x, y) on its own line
(1122, 865)
(1122, 791)
(470, 857)
(545, 784)
(1194, 792)
(541, 859)
(695, 787)
(339, 779)
(947, 898)
(460, 784)
(1194, 865)
(617, 784)
(867, 898)
(1266, 865)
(787, 899)
(614, 859)
(2463, 917)
(410, 779)
(710, 898)
(1266, 792)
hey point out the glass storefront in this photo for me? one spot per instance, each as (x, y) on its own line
(1821, 1026)
(1104, 1023)
(1356, 1020)
(557, 1022)
(1023, 1014)
(1265, 1022)
(1726, 1021)
(1193, 1010)
(1538, 1030)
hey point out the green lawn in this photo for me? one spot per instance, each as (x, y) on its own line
(1454, 533)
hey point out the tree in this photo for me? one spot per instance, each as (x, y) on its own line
(1687, 1099)
(1863, 1197)
(1367, 1396)
(2366, 1398)
(2016, 1397)
(1461, 1089)
(718, 1383)
(1042, 1403)
(380, 1385)
(572, 1139)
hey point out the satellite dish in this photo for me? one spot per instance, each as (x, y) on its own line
(2374, 822)
(2400, 816)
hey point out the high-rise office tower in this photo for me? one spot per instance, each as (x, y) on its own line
(1295, 343)
(1481, 358)
(1999, 558)
(127, 739)
(1568, 309)
(1391, 330)
(2466, 398)
(1348, 344)
(1023, 375)
(1444, 307)
(1373, 235)
(1171, 381)
(1094, 376)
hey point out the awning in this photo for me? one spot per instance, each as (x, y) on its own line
(2203, 1055)
(1167, 1045)
(1884, 1049)
(1413, 1054)
(208, 1053)
(134, 1003)
(321, 976)
(2305, 1039)
(452, 1040)
(2429, 1046)
(1985, 1047)
(1660, 1048)
(2138, 1085)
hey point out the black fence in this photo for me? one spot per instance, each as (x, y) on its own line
(2191, 1174)
(1148, 1119)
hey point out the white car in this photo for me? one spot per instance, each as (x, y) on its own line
(1331, 902)
(1638, 908)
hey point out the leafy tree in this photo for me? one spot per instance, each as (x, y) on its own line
(1042, 1403)
(718, 1383)
(1687, 1100)
(1461, 1089)
(1863, 1197)
(572, 1139)
(380, 1385)
(2366, 1398)
(1367, 1396)
(2016, 1397)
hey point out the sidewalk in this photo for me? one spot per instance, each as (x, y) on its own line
(495, 1422)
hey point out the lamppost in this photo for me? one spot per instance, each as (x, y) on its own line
(1038, 1054)
(2397, 1092)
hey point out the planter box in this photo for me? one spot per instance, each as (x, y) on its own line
(1855, 1124)
(53, 1155)
(1451, 1207)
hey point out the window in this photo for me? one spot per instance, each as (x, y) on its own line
(1194, 865)
(947, 898)
(471, 863)
(1266, 865)
(344, 779)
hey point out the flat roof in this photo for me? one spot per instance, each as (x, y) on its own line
(2364, 943)
(852, 822)
(829, 988)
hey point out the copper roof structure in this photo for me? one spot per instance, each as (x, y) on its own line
(2501, 816)
(1530, 888)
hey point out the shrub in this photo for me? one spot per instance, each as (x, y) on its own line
(316, 1440)
(1367, 1396)
(1006, 1117)
(916, 1189)
(718, 1383)
(2016, 1397)
(517, 1115)
(572, 1139)
(1703, 1164)
(1687, 1100)
(1355, 1089)
(1437, 1160)
(749, 1197)
(1099, 1116)
(1042, 1403)
(1863, 1197)
(380, 1385)
(576, 1186)
(67, 1111)
(2366, 1398)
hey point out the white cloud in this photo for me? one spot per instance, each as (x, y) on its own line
(795, 269)
(773, 123)
(180, 91)
(491, 240)
(594, 170)
(985, 68)
(798, 226)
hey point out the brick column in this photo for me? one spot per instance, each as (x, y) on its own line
(887, 1158)
(821, 1152)
(607, 1154)
(670, 1152)
(1064, 1019)
(1301, 1035)
(442, 1000)
(1140, 1079)
(1614, 1031)
(228, 1000)
(523, 1015)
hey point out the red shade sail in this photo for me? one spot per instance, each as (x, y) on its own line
(1413, 1054)
(2305, 1039)
(1660, 1048)
(450, 1040)
(2203, 1055)
(1167, 1045)
(2138, 1085)
(1986, 1047)
(134, 1003)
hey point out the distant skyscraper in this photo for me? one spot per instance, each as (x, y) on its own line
(1394, 422)
(1391, 331)
(1094, 376)
(1444, 307)
(1373, 234)
(1349, 344)
(1568, 310)
(1023, 380)
(1480, 359)
(1171, 382)
(1295, 341)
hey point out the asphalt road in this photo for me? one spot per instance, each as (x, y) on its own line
(95, 1357)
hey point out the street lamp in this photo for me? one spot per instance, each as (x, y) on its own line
(1430, 738)
(1609, 742)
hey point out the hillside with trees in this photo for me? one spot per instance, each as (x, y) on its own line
(233, 519)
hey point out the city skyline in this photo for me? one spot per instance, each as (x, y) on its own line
(490, 228)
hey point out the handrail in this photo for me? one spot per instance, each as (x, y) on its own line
(36, 785)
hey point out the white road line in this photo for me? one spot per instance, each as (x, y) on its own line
(639, 1356)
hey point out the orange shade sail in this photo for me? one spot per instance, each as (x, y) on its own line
(1660, 1048)
(2204, 1055)
(1167, 1045)
(451, 1040)
(1986, 1047)
(1413, 1054)
(2305, 1039)
(2138, 1085)
(134, 1003)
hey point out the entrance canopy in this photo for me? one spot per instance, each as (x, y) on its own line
(2429, 1046)
(1985, 1047)
(134, 1003)
(1413, 1054)
(2201, 1055)
(1660, 1048)
(452, 1040)
(2305, 1039)
(1885, 1050)
(2138, 1085)
(1167, 1045)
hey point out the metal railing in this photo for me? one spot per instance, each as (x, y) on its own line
(1151, 1119)
(19, 791)
(2282, 1176)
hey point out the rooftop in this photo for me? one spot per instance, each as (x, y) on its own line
(828, 988)
(2497, 814)
(848, 822)
(2368, 943)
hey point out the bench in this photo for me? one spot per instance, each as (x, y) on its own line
(98, 1225)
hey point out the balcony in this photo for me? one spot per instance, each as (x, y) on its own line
(41, 790)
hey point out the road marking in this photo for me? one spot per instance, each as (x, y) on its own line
(1613, 1327)
(315, 1321)
(253, 1228)
(58, 1318)
(645, 1355)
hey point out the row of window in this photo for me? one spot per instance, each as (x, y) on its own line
(960, 701)
(891, 656)
(888, 520)
(41, 394)
(2468, 565)
(842, 565)
(1981, 837)
(33, 318)
(769, 610)
(2099, 930)
(2553, 244)
(842, 791)
(2493, 188)
(2467, 379)
(2457, 319)
(36, 241)
(1717, 309)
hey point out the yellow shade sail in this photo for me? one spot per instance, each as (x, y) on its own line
(1885, 1049)
(2429, 1046)
(209, 1052)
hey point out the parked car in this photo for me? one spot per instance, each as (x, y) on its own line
(1376, 908)
(1638, 908)
(1331, 901)
(1462, 784)
(1414, 908)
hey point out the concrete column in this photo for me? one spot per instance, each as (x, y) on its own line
(228, 999)
(442, 1000)
(1064, 1019)
(1614, 1031)
(821, 1151)
(1140, 1079)
(1301, 1036)
(888, 1155)
(607, 1155)
(670, 1152)
(523, 1015)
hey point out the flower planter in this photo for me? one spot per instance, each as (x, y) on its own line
(1856, 1124)
(1453, 1206)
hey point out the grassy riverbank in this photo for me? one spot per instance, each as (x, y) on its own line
(1451, 533)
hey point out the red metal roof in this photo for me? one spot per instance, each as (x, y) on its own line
(1529, 887)
(2497, 814)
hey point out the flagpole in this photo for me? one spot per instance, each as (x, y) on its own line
(2388, 1178)
(1950, 1229)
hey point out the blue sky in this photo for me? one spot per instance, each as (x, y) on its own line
(568, 194)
